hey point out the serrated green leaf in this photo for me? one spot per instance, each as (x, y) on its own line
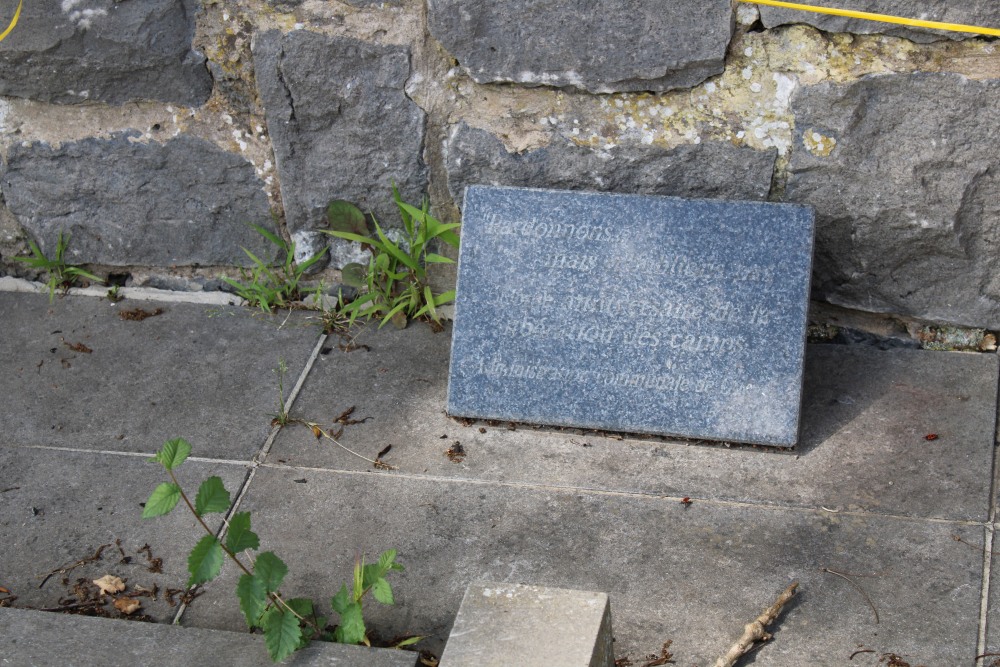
(353, 274)
(173, 453)
(340, 601)
(205, 560)
(385, 559)
(344, 216)
(397, 566)
(281, 633)
(163, 499)
(271, 571)
(383, 591)
(253, 599)
(369, 575)
(352, 625)
(301, 606)
(240, 537)
(212, 497)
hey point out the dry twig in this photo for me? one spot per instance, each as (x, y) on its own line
(857, 586)
(754, 631)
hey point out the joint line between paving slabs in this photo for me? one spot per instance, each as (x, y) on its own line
(630, 494)
(262, 453)
(988, 540)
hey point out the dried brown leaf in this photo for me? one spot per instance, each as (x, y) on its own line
(110, 584)
(127, 605)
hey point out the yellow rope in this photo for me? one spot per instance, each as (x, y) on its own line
(13, 21)
(884, 18)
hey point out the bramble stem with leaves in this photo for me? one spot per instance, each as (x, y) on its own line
(288, 625)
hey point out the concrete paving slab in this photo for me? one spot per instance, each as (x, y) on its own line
(27, 638)
(58, 508)
(200, 372)
(691, 573)
(866, 417)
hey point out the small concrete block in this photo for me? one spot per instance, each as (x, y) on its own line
(530, 626)
(632, 313)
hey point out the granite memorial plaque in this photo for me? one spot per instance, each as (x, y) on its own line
(632, 313)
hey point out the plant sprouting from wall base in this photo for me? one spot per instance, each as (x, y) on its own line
(395, 281)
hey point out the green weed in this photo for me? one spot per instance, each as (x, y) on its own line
(60, 274)
(288, 623)
(395, 280)
(273, 285)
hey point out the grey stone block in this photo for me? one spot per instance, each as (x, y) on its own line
(341, 124)
(183, 202)
(72, 51)
(907, 204)
(694, 574)
(632, 313)
(50, 640)
(204, 373)
(863, 448)
(607, 46)
(975, 12)
(712, 170)
(530, 626)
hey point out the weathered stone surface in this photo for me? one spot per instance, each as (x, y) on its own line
(632, 313)
(532, 626)
(182, 202)
(71, 51)
(974, 12)
(341, 124)
(907, 204)
(26, 638)
(709, 169)
(598, 45)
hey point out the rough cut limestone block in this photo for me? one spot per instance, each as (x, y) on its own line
(71, 51)
(907, 204)
(341, 124)
(182, 202)
(709, 169)
(632, 313)
(984, 13)
(597, 45)
(530, 626)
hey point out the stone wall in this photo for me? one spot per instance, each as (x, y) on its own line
(152, 131)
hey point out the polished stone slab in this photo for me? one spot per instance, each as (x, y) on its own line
(863, 447)
(632, 313)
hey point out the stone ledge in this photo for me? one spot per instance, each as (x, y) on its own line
(41, 639)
